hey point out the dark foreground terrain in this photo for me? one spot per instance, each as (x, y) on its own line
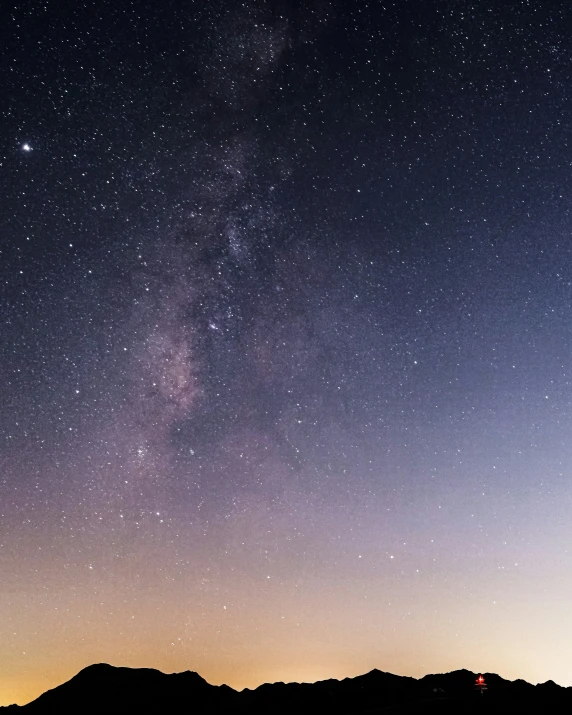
(108, 690)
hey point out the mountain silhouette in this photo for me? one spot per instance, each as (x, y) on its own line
(105, 689)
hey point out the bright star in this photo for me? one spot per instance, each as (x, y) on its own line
(26, 147)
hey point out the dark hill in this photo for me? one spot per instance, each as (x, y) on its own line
(104, 689)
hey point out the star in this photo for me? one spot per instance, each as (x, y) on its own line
(26, 147)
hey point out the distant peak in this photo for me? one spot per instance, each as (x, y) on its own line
(97, 668)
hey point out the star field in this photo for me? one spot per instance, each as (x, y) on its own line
(285, 339)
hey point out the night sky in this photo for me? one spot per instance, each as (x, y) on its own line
(286, 339)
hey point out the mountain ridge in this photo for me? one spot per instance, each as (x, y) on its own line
(104, 688)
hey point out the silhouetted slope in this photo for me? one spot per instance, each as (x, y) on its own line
(365, 691)
(106, 689)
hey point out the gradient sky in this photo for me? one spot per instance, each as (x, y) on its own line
(286, 333)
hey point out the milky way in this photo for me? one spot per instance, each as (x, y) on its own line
(285, 355)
